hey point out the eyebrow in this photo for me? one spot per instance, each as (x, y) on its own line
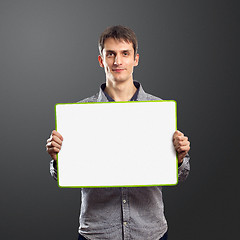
(112, 51)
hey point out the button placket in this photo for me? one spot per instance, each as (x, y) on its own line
(125, 213)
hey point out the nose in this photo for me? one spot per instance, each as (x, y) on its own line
(117, 60)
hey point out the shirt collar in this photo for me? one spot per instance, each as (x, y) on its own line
(138, 95)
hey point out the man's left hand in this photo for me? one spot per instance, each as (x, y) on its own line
(181, 144)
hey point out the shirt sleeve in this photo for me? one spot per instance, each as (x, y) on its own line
(53, 169)
(184, 169)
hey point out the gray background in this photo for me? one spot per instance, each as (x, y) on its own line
(189, 51)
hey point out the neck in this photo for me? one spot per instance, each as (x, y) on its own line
(120, 91)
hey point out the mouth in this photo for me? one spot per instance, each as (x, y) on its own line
(118, 69)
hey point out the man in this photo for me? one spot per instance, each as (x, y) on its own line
(122, 213)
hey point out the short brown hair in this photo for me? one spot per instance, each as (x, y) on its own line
(118, 32)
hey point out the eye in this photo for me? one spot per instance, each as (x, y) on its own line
(110, 54)
(125, 53)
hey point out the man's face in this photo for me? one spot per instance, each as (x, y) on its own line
(118, 60)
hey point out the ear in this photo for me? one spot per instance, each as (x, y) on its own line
(100, 60)
(136, 60)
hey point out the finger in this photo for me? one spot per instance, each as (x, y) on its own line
(53, 150)
(181, 143)
(178, 143)
(56, 140)
(184, 143)
(178, 133)
(183, 149)
(57, 134)
(53, 144)
(179, 139)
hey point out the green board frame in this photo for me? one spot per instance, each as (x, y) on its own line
(130, 102)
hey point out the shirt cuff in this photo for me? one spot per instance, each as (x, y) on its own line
(184, 163)
(53, 169)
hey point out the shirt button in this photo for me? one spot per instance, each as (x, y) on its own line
(124, 223)
(124, 201)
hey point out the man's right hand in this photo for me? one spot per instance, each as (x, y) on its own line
(54, 144)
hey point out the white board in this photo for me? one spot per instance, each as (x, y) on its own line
(117, 144)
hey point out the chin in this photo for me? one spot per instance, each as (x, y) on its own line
(116, 79)
(120, 79)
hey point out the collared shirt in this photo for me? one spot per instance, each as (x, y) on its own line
(134, 97)
(128, 212)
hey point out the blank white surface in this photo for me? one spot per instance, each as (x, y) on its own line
(117, 144)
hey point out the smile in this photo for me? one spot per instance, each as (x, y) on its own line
(118, 70)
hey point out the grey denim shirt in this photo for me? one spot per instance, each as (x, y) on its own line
(123, 213)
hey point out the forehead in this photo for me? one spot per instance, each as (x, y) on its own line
(112, 44)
